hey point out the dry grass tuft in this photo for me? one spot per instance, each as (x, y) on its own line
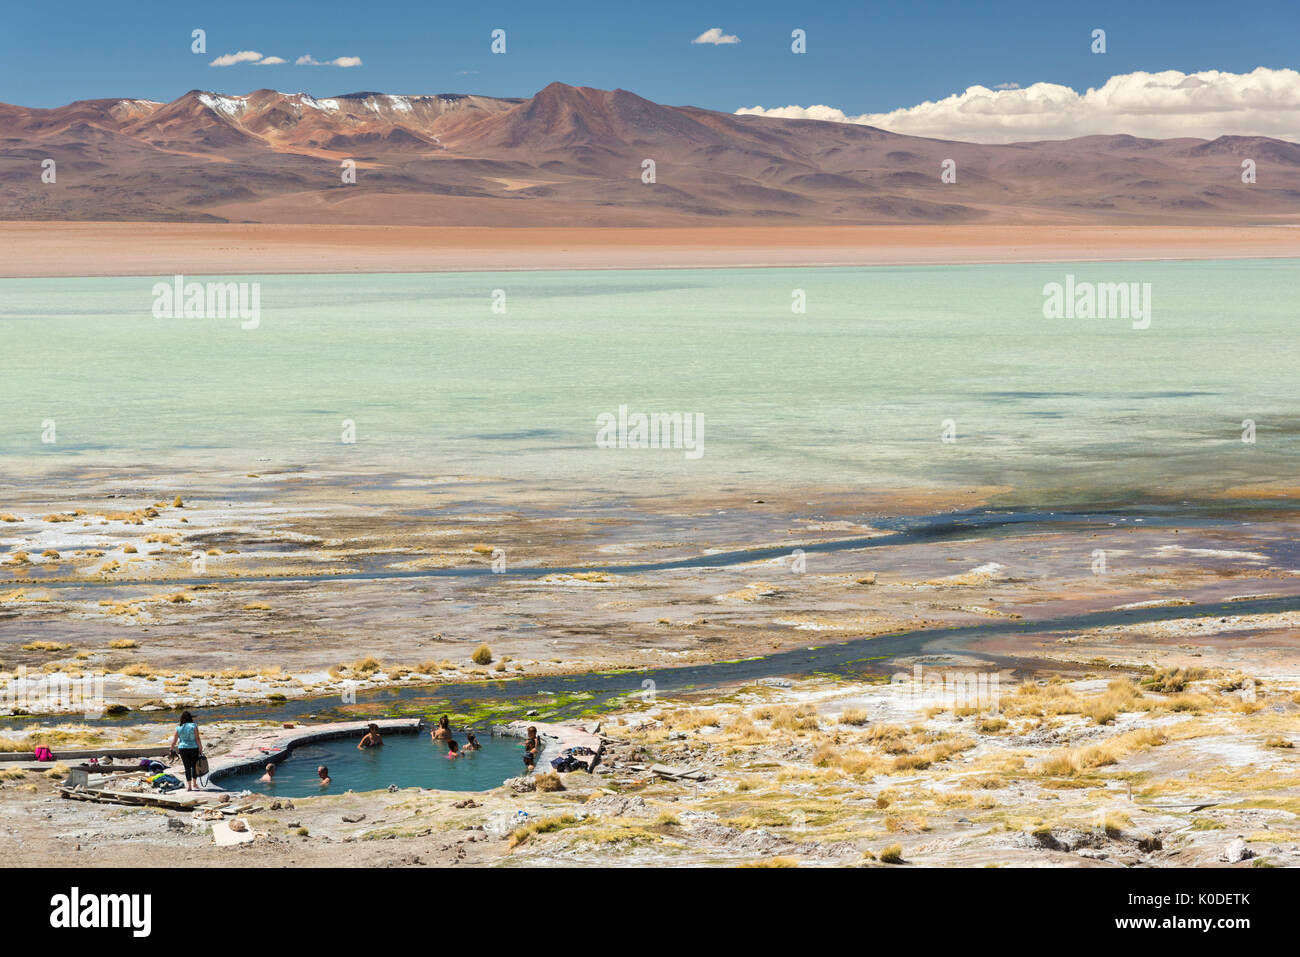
(1171, 680)
(548, 781)
(893, 854)
(44, 646)
(544, 826)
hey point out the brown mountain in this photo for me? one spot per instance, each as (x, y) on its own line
(574, 155)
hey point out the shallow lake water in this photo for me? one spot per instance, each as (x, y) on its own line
(427, 379)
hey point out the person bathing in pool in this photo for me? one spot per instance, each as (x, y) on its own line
(471, 742)
(269, 776)
(372, 739)
(443, 731)
(453, 749)
(323, 773)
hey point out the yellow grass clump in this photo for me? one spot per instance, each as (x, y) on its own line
(1171, 680)
(549, 781)
(482, 655)
(789, 717)
(893, 854)
(43, 646)
(1070, 762)
(543, 826)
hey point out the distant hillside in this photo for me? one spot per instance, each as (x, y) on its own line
(573, 156)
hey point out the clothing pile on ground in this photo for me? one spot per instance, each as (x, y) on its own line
(568, 759)
(165, 782)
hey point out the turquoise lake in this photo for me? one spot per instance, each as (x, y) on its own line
(853, 392)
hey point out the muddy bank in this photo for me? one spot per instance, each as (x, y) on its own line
(301, 597)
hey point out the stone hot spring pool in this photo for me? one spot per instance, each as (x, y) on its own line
(406, 760)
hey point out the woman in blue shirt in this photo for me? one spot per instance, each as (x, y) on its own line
(186, 740)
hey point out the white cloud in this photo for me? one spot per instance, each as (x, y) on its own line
(1264, 102)
(344, 61)
(272, 61)
(715, 36)
(243, 56)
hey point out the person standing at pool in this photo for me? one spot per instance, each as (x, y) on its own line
(189, 745)
(443, 731)
(323, 773)
(372, 739)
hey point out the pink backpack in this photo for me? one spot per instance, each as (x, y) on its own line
(42, 753)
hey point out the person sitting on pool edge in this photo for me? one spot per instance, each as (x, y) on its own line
(323, 773)
(269, 776)
(471, 742)
(453, 749)
(372, 739)
(443, 731)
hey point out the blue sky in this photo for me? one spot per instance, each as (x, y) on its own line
(862, 56)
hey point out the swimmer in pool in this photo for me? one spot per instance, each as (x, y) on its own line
(443, 731)
(471, 742)
(269, 776)
(372, 739)
(532, 743)
(323, 773)
(453, 749)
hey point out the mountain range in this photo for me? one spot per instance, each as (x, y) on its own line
(574, 156)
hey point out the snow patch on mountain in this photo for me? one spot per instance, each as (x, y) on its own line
(229, 105)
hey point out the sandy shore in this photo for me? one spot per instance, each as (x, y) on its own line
(126, 249)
